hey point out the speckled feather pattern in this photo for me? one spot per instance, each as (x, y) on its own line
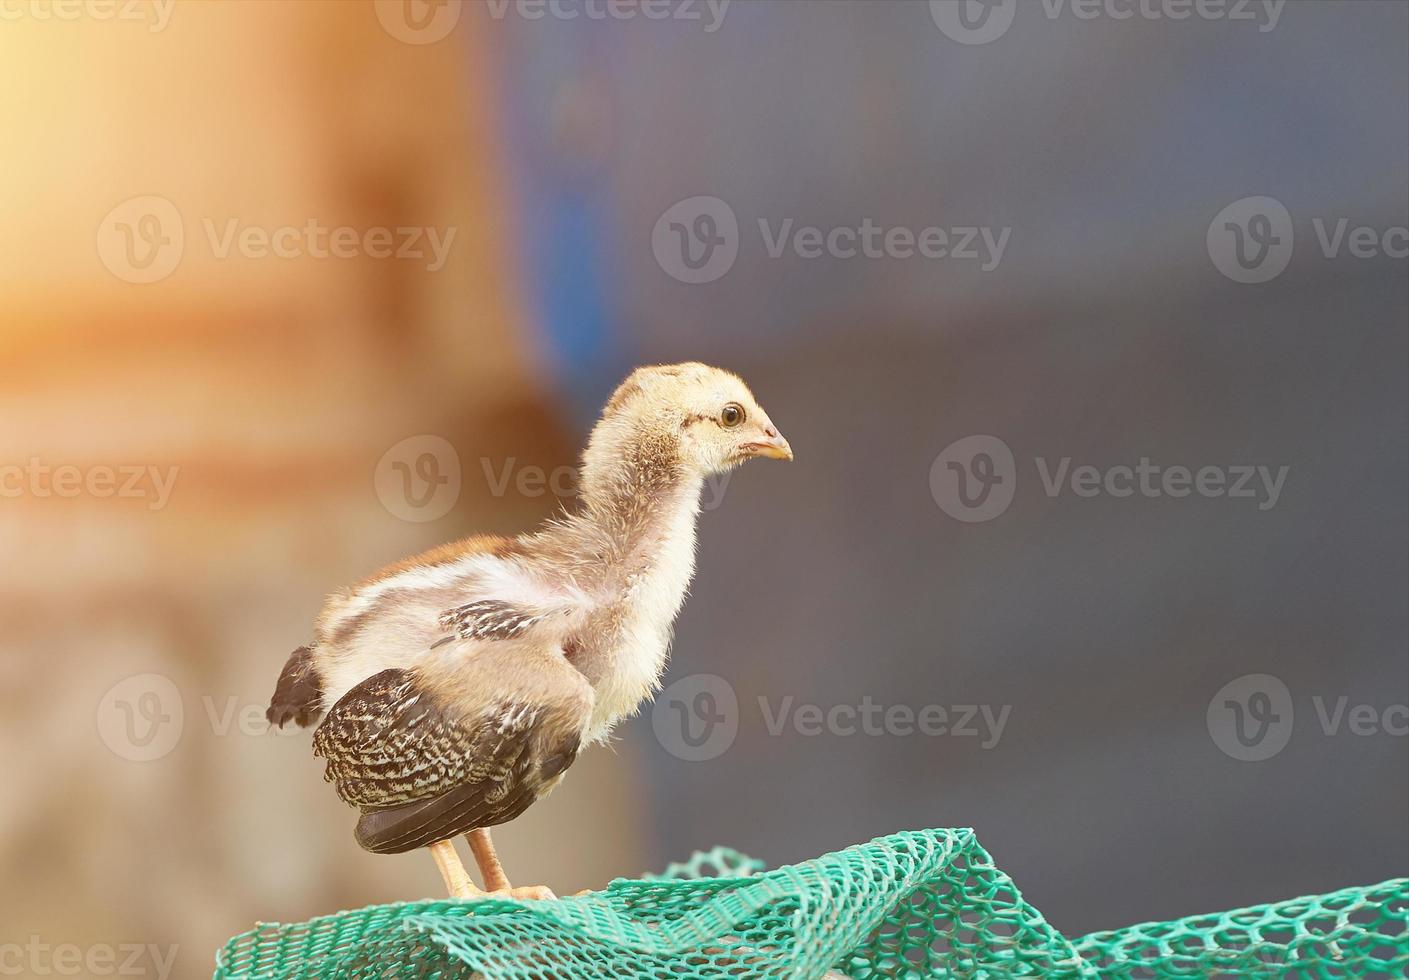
(487, 619)
(389, 741)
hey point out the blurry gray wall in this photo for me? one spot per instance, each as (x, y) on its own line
(1106, 334)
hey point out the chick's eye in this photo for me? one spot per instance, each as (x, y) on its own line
(731, 416)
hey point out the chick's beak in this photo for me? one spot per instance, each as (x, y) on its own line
(773, 445)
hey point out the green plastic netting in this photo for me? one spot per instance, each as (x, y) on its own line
(912, 905)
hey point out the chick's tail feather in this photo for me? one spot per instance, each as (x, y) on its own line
(298, 697)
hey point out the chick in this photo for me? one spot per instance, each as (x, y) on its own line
(459, 685)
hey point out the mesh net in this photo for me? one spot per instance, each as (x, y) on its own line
(912, 905)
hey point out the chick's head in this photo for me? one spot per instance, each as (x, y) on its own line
(707, 413)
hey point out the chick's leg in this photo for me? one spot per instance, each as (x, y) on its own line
(457, 879)
(495, 881)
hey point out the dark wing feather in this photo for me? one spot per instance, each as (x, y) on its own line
(397, 829)
(485, 619)
(298, 693)
(421, 773)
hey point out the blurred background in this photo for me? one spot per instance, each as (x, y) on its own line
(291, 290)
